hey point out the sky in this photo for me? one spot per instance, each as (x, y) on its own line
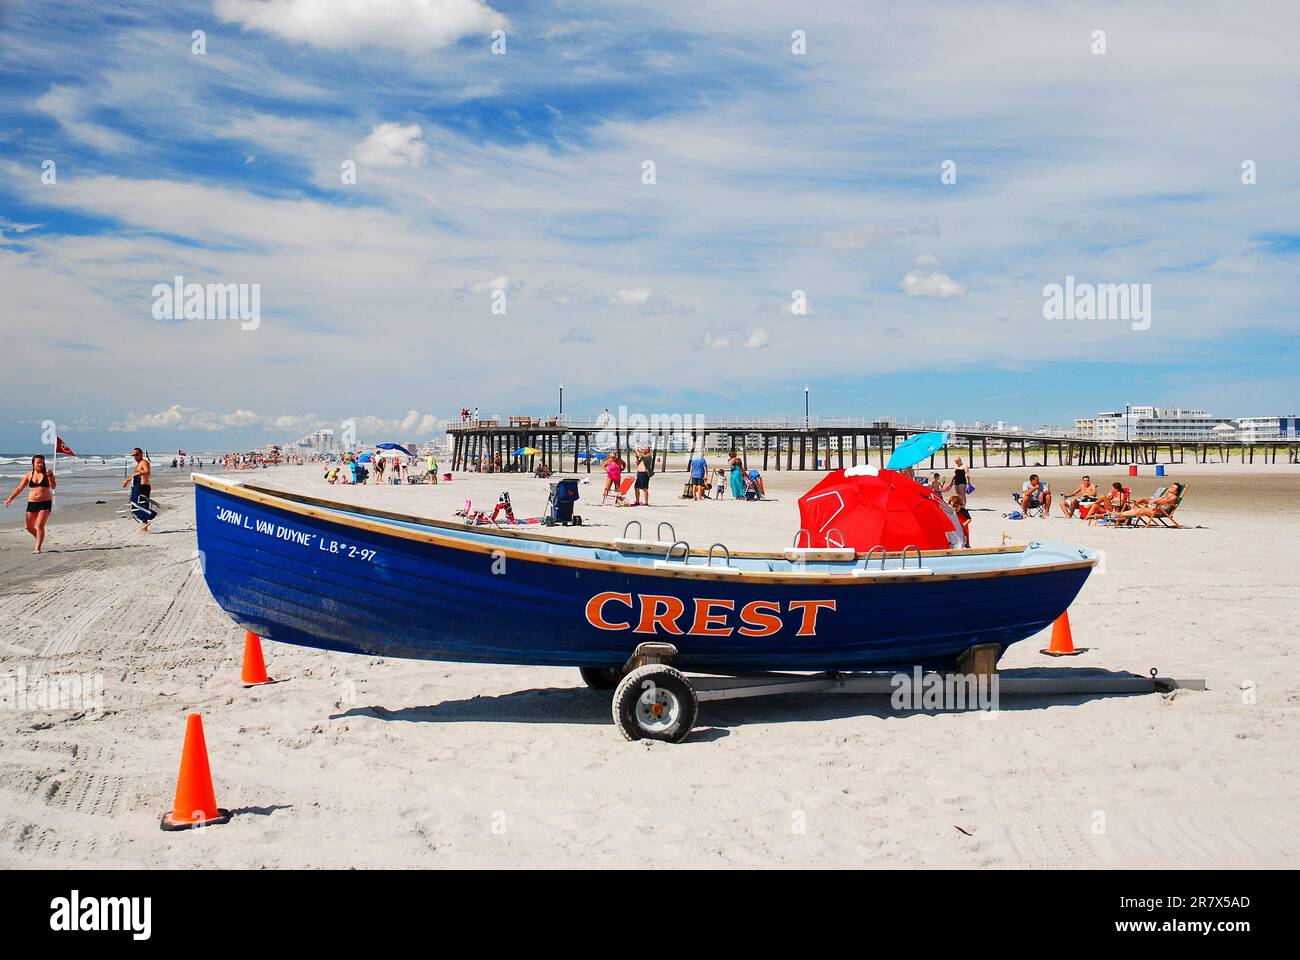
(449, 203)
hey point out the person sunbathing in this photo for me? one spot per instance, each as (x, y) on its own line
(1113, 500)
(1153, 506)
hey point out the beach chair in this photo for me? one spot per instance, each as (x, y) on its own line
(1035, 506)
(620, 492)
(1140, 521)
(140, 511)
(1107, 516)
(1164, 516)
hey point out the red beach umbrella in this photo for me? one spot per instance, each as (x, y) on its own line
(866, 508)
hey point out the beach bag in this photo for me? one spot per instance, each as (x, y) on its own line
(1014, 515)
(687, 492)
(969, 489)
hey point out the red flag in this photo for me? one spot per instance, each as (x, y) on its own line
(63, 448)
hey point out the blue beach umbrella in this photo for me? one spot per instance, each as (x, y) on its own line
(395, 446)
(594, 456)
(365, 458)
(915, 449)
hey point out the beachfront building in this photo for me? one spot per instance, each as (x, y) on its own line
(1178, 424)
(1252, 429)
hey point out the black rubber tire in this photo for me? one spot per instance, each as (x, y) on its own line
(633, 688)
(601, 678)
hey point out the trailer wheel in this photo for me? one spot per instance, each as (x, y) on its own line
(601, 678)
(655, 702)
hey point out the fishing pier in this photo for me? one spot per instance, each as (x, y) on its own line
(819, 444)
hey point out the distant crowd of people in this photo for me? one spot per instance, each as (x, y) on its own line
(374, 469)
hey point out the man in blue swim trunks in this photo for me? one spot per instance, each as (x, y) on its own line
(141, 481)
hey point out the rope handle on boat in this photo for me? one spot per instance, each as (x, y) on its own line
(686, 551)
(659, 530)
(839, 544)
(724, 550)
(803, 530)
(629, 527)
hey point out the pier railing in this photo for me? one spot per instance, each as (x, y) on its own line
(729, 424)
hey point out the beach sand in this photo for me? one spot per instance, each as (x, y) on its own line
(372, 762)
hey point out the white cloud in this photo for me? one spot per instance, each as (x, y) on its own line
(66, 106)
(758, 339)
(179, 417)
(393, 145)
(633, 297)
(492, 283)
(285, 427)
(9, 227)
(925, 281)
(716, 343)
(415, 26)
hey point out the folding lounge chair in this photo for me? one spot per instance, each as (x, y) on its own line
(1164, 516)
(620, 492)
(1141, 521)
(1107, 516)
(139, 511)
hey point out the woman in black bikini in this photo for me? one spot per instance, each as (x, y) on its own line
(40, 498)
(958, 483)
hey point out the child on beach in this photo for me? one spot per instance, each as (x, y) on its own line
(963, 515)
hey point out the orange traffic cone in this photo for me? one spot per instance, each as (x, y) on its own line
(196, 804)
(254, 666)
(1062, 644)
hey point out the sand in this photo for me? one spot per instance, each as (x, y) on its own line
(370, 762)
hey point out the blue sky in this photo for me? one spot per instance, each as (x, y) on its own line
(520, 174)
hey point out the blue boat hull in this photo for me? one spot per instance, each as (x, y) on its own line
(295, 576)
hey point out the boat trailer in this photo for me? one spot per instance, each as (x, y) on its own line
(655, 701)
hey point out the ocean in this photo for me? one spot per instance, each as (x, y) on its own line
(82, 479)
